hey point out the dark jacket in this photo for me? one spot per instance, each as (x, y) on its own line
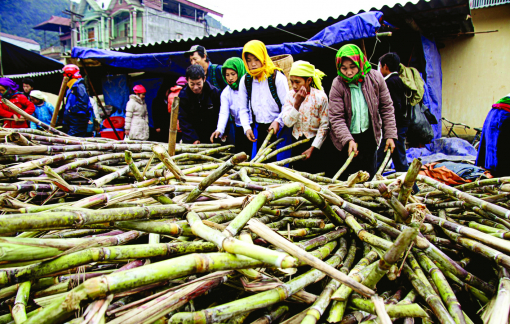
(379, 104)
(398, 96)
(198, 114)
(77, 108)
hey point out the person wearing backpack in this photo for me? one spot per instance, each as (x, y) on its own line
(360, 113)
(197, 54)
(389, 66)
(262, 93)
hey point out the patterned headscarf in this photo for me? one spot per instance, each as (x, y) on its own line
(503, 103)
(306, 70)
(257, 48)
(355, 54)
(236, 64)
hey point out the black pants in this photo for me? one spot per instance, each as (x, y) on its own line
(242, 143)
(314, 164)
(365, 161)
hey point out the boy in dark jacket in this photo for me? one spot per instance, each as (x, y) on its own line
(389, 66)
(199, 107)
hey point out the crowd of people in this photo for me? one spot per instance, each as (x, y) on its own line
(366, 109)
(365, 114)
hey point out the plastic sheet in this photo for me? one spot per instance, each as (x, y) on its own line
(434, 82)
(443, 149)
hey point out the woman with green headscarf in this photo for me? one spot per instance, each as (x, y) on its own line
(360, 113)
(232, 71)
(306, 111)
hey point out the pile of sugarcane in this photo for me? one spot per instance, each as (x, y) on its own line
(102, 231)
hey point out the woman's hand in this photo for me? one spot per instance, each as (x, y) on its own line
(353, 147)
(308, 153)
(214, 135)
(251, 137)
(299, 97)
(390, 144)
(196, 142)
(274, 125)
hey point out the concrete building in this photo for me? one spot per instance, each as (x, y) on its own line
(476, 67)
(62, 26)
(26, 43)
(131, 22)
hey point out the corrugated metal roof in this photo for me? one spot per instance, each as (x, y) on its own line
(476, 4)
(18, 38)
(32, 75)
(436, 18)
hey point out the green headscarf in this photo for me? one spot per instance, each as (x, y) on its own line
(236, 64)
(354, 53)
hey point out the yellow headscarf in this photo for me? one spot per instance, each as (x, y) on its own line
(257, 48)
(306, 70)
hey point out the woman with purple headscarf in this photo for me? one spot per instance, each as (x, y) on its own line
(9, 90)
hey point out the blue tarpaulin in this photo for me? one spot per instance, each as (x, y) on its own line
(116, 93)
(443, 149)
(363, 25)
(359, 26)
(434, 83)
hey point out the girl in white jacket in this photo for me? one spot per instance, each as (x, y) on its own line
(137, 117)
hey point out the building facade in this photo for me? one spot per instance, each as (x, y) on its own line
(131, 22)
(475, 67)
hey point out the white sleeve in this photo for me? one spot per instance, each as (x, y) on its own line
(282, 87)
(226, 101)
(242, 103)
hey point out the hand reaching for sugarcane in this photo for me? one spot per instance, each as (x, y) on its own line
(308, 153)
(353, 147)
(390, 144)
(217, 134)
(274, 125)
(250, 136)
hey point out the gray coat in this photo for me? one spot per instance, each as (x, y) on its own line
(137, 118)
(379, 104)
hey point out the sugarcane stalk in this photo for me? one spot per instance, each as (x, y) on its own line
(273, 315)
(260, 300)
(221, 170)
(315, 312)
(174, 119)
(19, 314)
(263, 231)
(346, 164)
(407, 185)
(429, 295)
(395, 311)
(390, 257)
(383, 164)
(132, 166)
(164, 157)
(285, 148)
(445, 291)
(264, 144)
(31, 118)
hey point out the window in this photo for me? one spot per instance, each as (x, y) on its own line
(124, 30)
(120, 2)
(91, 35)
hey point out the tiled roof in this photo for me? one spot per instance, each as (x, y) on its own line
(21, 39)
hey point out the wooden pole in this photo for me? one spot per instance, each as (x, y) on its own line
(60, 99)
(101, 104)
(172, 135)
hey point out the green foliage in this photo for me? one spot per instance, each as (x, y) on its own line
(19, 16)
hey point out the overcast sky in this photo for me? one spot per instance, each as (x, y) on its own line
(239, 14)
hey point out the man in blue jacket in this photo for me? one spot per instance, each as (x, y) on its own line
(77, 108)
(199, 107)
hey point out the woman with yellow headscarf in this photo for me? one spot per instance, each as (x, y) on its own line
(262, 92)
(306, 112)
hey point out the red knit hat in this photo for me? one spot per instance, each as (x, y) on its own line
(139, 89)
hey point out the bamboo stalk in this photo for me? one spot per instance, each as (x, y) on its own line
(60, 99)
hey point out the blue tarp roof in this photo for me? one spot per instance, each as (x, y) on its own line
(360, 26)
